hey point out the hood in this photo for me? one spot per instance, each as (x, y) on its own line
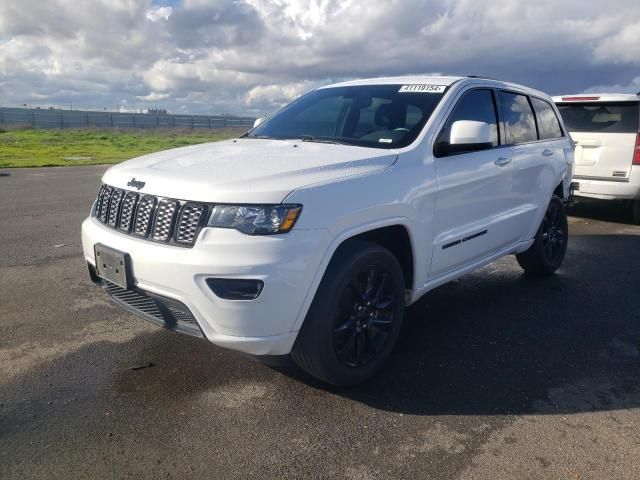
(244, 170)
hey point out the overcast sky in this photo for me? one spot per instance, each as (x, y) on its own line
(251, 56)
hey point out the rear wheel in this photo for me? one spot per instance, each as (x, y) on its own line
(549, 248)
(355, 317)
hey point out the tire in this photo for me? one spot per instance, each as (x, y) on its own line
(355, 318)
(549, 248)
(635, 212)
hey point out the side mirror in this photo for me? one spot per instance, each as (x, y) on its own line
(466, 136)
(258, 121)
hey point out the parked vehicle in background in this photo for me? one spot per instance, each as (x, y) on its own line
(605, 128)
(311, 233)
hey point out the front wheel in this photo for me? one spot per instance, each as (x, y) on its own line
(355, 317)
(549, 248)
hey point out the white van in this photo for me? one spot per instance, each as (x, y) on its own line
(607, 156)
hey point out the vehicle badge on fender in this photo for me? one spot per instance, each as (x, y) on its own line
(136, 183)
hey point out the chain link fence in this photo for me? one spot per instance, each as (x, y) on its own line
(39, 118)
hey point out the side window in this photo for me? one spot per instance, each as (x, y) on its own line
(518, 118)
(547, 120)
(475, 105)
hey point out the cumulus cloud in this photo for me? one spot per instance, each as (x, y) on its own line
(252, 56)
(159, 13)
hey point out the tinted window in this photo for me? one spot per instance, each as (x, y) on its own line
(518, 118)
(547, 121)
(475, 105)
(414, 116)
(379, 116)
(600, 117)
(366, 121)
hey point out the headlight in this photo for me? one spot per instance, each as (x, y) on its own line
(255, 219)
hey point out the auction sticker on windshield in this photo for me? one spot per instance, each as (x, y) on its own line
(422, 88)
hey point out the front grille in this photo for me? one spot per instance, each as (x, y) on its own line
(114, 207)
(165, 216)
(157, 309)
(103, 202)
(143, 215)
(127, 210)
(189, 222)
(174, 222)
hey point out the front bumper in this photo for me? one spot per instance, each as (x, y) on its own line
(287, 264)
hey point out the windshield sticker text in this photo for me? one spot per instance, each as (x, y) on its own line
(422, 88)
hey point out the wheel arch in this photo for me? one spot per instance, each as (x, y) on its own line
(393, 234)
(397, 240)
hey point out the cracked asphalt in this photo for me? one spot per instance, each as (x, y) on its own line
(496, 376)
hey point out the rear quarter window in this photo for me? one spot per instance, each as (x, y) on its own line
(548, 123)
(620, 117)
(518, 117)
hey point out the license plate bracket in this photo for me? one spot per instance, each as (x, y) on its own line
(113, 265)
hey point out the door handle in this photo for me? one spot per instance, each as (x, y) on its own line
(547, 152)
(502, 161)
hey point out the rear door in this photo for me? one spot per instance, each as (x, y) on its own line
(605, 136)
(531, 157)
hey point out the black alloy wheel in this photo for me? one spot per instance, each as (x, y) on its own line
(355, 317)
(547, 252)
(554, 232)
(365, 317)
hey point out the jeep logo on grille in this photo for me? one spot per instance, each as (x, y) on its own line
(136, 183)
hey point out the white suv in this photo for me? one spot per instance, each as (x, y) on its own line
(605, 130)
(311, 233)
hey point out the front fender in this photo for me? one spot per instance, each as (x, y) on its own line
(402, 194)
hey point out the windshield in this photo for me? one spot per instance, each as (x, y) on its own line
(619, 117)
(378, 116)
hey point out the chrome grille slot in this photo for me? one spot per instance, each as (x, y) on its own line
(165, 217)
(143, 215)
(104, 203)
(98, 206)
(189, 223)
(158, 219)
(127, 211)
(114, 207)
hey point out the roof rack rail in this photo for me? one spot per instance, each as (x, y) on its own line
(483, 77)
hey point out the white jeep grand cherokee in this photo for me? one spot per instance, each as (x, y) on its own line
(311, 233)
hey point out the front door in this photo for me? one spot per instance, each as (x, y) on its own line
(475, 192)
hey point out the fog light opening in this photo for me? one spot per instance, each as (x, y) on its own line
(235, 289)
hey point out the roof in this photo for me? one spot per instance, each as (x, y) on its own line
(435, 80)
(597, 97)
(406, 80)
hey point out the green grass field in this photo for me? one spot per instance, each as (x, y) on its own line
(43, 148)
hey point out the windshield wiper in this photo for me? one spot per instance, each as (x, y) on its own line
(262, 137)
(311, 138)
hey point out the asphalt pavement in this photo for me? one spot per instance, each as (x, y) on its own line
(496, 376)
